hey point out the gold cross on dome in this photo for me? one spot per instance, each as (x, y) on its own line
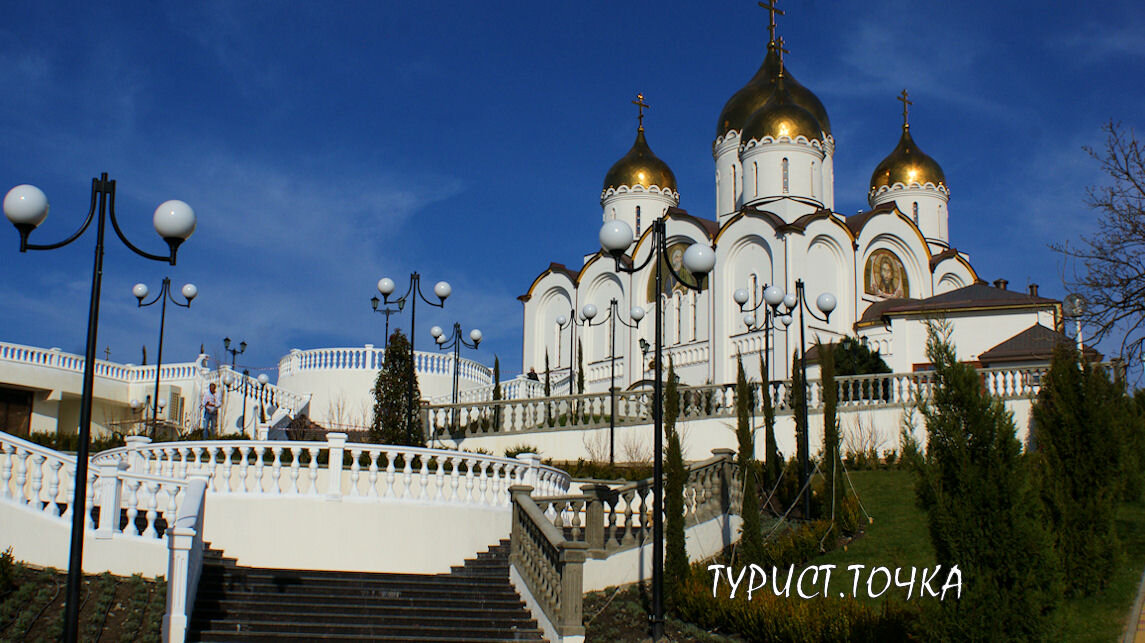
(905, 103)
(779, 50)
(640, 107)
(772, 10)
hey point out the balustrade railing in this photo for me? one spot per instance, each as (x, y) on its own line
(337, 469)
(370, 358)
(54, 358)
(591, 410)
(553, 535)
(271, 396)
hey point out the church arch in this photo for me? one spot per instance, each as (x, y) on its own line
(554, 302)
(600, 291)
(894, 248)
(825, 272)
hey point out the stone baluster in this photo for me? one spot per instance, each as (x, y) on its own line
(312, 469)
(594, 518)
(111, 492)
(372, 492)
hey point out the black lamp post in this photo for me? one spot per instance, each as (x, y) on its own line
(615, 238)
(229, 381)
(387, 311)
(140, 291)
(571, 322)
(826, 302)
(455, 341)
(442, 289)
(773, 297)
(26, 207)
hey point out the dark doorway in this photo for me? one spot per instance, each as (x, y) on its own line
(15, 411)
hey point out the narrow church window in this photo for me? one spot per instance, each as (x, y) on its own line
(733, 182)
(915, 209)
(785, 182)
(612, 215)
(695, 312)
(755, 177)
(638, 220)
(679, 315)
(812, 179)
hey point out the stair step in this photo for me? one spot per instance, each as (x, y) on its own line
(405, 632)
(424, 612)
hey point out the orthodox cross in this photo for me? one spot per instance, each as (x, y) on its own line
(640, 107)
(107, 353)
(779, 50)
(772, 10)
(905, 103)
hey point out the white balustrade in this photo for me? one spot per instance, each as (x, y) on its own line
(334, 469)
(370, 358)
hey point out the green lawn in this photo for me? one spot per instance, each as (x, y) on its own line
(898, 537)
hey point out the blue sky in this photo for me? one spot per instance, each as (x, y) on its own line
(326, 145)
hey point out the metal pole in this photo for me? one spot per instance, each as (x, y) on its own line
(159, 353)
(415, 292)
(456, 368)
(242, 420)
(804, 460)
(572, 349)
(658, 453)
(612, 384)
(79, 499)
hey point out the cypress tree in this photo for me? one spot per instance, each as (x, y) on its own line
(676, 567)
(1079, 418)
(773, 460)
(548, 391)
(798, 390)
(832, 464)
(497, 395)
(395, 421)
(751, 541)
(982, 512)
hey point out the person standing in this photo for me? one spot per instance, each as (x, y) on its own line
(210, 411)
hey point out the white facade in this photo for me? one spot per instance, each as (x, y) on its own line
(773, 224)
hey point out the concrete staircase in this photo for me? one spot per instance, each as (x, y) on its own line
(474, 602)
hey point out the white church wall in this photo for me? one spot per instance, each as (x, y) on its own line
(972, 334)
(782, 168)
(728, 175)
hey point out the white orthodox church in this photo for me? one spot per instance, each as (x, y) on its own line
(892, 267)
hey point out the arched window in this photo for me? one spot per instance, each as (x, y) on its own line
(755, 177)
(914, 208)
(638, 221)
(785, 181)
(734, 187)
(812, 179)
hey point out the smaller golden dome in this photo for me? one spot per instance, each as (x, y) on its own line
(781, 117)
(640, 167)
(907, 165)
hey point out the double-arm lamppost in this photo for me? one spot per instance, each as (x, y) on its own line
(773, 297)
(442, 289)
(140, 291)
(589, 312)
(455, 340)
(615, 238)
(387, 311)
(26, 207)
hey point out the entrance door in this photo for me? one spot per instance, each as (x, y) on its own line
(15, 411)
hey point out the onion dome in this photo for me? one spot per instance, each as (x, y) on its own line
(781, 117)
(640, 167)
(907, 165)
(739, 108)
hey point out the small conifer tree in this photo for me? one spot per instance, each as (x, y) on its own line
(1079, 418)
(548, 390)
(832, 464)
(676, 567)
(751, 542)
(773, 460)
(497, 395)
(798, 390)
(395, 420)
(982, 512)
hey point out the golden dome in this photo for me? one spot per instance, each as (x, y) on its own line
(781, 117)
(640, 167)
(752, 96)
(907, 165)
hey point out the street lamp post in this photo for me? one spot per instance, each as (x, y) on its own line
(240, 386)
(826, 303)
(636, 314)
(615, 238)
(455, 341)
(140, 291)
(387, 311)
(26, 207)
(262, 381)
(442, 289)
(773, 297)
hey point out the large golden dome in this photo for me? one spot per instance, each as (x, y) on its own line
(640, 167)
(752, 96)
(781, 117)
(907, 165)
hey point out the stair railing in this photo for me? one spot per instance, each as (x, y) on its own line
(552, 536)
(184, 561)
